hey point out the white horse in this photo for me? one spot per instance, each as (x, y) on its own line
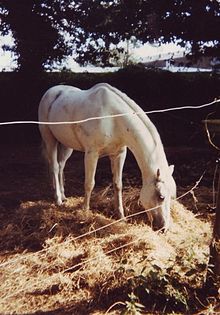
(106, 136)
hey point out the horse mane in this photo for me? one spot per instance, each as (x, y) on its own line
(137, 109)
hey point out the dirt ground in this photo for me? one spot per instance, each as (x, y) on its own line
(24, 180)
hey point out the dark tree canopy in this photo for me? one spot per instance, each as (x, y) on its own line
(96, 27)
(197, 22)
(188, 21)
(34, 25)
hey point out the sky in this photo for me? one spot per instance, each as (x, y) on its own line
(142, 53)
(6, 57)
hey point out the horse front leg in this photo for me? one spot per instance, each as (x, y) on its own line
(117, 163)
(90, 161)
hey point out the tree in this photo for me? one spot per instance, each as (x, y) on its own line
(196, 22)
(97, 27)
(35, 28)
(188, 21)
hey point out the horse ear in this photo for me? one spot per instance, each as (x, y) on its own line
(171, 168)
(158, 174)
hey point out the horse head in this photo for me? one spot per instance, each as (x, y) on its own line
(156, 197)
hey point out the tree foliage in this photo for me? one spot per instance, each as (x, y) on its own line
(196, 22)
(96, 28)
(35, 27)
(185, 21)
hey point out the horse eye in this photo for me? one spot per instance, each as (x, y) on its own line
(162, 197)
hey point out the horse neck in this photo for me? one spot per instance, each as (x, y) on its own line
(145, 144)
(148, 151)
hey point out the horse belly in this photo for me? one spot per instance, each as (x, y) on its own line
(93, 135)
(67, 135)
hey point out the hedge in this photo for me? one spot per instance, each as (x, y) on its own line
(151, 89)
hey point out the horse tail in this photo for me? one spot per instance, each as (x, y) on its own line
(45, 159)
(43, 151)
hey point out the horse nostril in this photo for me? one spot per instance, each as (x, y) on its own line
(159, 225)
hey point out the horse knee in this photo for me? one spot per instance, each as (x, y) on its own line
(117, 187)
(89, 186)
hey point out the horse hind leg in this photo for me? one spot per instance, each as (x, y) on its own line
(50, 147)
(90, 161)
(63, 155)
(117, 163)
(54, 167)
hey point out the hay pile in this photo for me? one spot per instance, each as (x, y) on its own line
(47, 266)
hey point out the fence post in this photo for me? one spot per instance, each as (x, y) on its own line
(215, 247)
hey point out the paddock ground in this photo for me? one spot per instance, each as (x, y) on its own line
(24, 183)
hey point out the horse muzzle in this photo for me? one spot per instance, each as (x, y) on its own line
(158, 222)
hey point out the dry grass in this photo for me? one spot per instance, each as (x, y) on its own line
(46, 266)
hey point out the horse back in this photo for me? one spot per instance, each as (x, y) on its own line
(84, 110)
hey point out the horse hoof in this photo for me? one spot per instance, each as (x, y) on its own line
(123, 219)
(86, 208)
(59, 202)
